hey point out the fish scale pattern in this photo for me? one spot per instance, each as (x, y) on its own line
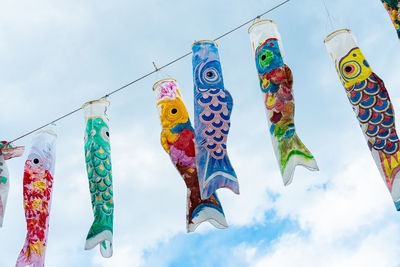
(217, 120)
(375, 110)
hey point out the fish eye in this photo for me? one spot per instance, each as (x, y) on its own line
(105, 134)
(211, 75)
(351, 70)
(174, 111)
(36, 161)
(263, 57)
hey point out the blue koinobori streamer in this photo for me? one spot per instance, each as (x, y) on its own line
(212, 108)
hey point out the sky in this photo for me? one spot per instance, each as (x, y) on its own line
(54, 56)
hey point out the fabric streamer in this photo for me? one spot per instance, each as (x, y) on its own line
(393, 8)
(212, 107)
(276, 82)
(7, 151)
(98, 166)
(371, 103)
(177, 139)
(37, 189)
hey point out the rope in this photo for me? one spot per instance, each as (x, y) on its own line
(150, 73)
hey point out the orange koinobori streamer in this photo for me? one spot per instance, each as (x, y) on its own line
(38, 185)
(276, 82)
(7, 151)
(371, 103)
(177, 139)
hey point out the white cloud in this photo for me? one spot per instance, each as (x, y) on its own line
(350, 223)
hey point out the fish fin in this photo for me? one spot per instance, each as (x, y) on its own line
(1, 211)
(294, 153)
(206, 210)
(100, 233)
(229, 100)
(31, 254)
(164, 141)
(219, 173)
(106, 249)
(23, 258)
(389, 167)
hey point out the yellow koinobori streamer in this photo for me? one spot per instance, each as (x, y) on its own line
(371, 103)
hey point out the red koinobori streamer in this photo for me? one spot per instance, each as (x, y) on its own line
(38, 185)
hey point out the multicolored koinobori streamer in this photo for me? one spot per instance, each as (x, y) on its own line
(276, 83)
(177, 139)
(6, 152)
(212, 107)
(38, 185)
(393, 8)
(371, 103)
(98, 166)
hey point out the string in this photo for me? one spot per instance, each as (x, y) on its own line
(156, 69)
(329, 15)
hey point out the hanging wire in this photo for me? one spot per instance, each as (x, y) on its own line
(330, 18)
(156, 69)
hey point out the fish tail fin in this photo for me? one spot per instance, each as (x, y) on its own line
(389, 167)
(219, 174)
(101, 233)
(2, 208)
(31, 254)
(3, 200)
(294, 153)
(206, 210)
(23, 259)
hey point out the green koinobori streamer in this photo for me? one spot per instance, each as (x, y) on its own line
(276, 82)
(98, 166)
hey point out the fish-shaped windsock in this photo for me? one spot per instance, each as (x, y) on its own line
(7, 151)
(177, 139)
(393, 8)
(276, 82)
(371, 103)
(98, 166)
(212, 108)
(38, 186)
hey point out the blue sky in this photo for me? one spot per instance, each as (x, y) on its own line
(56, 56)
